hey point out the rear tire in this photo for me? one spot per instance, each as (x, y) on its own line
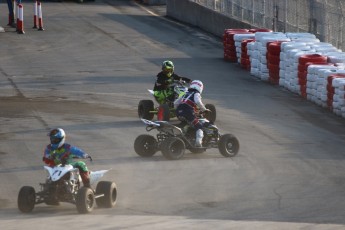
(163, 113)
(26, 199)
(109, 190)
(145, 145)
(173, 148)
(228, 145)
(144, 109)
(211, 116)
(85, 200)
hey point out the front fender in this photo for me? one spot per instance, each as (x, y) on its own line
(49, 170)
(55, 173)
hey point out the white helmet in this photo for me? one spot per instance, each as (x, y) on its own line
(57, 138)
(196, 84)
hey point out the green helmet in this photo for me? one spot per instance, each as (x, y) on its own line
(168, 66)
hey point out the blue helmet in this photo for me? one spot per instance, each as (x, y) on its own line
(57, 138)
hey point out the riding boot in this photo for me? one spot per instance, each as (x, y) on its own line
(183, 126)
(198, 138)
(85, 177)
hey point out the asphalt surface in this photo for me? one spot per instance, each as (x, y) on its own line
(87, 72)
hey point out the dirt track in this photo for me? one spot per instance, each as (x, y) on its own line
(87, 72)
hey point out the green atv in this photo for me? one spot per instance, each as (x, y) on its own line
(164, 111)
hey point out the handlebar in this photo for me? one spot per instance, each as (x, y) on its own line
(180, 83)
(63, 161)
(202, 113)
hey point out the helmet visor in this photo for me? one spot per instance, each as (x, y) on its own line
(55, 140)
(168, 71)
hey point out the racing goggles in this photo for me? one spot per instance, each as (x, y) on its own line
(55, 140)
(168, 72)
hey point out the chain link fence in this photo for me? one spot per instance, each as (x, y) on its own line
(324, 18)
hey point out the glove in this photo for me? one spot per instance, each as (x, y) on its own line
(208, 111)
(90, 158)
(64, 160)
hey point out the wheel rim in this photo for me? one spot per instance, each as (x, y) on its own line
(176, 148)
(231, 147)
(89, 201)
(146, 145)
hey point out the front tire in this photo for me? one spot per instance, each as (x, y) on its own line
(26, 199)
(144, 109)
(85, 200)
(228, 145)
(145, 145)
(109, 190)
(173, 148)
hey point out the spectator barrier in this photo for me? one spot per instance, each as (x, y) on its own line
(297, 61)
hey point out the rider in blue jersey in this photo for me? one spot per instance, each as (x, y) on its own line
(58, 152)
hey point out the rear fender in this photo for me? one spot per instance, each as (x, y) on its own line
(151, 91)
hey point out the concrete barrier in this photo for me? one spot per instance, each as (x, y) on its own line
(154, 2)
(202, 17)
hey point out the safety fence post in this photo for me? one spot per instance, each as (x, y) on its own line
(40, 20)
(35, 15)
(20, 19)
(16, 15)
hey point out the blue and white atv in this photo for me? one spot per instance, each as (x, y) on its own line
(173, 140)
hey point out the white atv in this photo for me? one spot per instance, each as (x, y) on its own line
(64, 184)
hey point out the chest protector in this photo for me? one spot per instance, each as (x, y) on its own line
(60, 151)
(188, 99)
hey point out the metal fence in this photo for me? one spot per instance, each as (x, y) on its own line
(324, 18)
